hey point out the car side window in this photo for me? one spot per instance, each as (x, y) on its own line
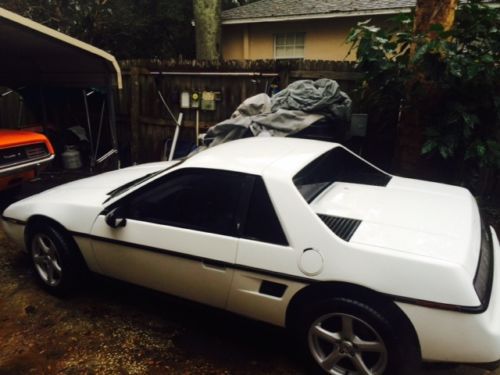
(262, 223)
(200, 199)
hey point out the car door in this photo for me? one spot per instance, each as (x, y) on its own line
(261, 288)
(180, 235)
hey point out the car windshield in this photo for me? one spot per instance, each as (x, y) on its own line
(123, 188)
(337, 165)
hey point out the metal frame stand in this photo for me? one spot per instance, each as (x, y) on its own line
(94, 148)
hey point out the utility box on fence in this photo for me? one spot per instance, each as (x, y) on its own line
(208, 101)
(185, 100)
(195, 100)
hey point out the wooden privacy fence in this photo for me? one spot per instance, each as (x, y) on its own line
(145, 124)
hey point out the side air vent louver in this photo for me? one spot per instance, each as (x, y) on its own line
(341, 226)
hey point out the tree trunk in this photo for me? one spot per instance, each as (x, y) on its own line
(207, 23)
(411, 127)
(432, 12)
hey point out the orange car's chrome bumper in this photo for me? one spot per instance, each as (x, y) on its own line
(15, 174)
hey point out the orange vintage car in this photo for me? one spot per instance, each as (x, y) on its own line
(22, 154)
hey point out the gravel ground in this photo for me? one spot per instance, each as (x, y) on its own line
(114, 328)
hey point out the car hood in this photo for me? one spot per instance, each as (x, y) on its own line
(109, 181)
(409, 216)
(13, 138)
(97, 188)
(76, 204)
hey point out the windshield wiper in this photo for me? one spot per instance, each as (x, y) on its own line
(121, 189)
(130, 184)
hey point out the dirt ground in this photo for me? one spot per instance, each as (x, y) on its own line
(115, 328)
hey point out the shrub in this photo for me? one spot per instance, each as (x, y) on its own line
(452, 79)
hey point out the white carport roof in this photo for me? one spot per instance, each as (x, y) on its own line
(33, 54)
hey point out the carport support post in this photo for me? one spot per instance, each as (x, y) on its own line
(89, 128)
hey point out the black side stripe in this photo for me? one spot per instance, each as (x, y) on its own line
(197, 258)
(13, 221)
(439, 306)
(434, 305)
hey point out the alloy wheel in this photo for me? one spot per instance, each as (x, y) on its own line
(46, 259)
(343, 344)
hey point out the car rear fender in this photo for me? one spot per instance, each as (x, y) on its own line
(327, 290)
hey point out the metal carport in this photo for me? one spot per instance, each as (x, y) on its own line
(37, 56)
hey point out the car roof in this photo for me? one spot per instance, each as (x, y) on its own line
(257, 154)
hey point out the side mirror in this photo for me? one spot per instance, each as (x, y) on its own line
(114, 218)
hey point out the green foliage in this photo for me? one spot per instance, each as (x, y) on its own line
(382, 54)
(458, 69)
(126, 28)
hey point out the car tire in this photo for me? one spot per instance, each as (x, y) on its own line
(345, 336)
(57, 262)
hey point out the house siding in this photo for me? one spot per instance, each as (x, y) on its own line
(325, 38)
(232, 42)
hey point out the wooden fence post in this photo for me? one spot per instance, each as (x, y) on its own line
(284, 76)
(135, 102)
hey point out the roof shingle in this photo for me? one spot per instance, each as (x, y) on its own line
(284, 8)
(300, 8)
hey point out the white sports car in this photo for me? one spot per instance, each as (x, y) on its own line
(372, 272)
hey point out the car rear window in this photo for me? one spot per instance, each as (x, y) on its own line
(337, 165)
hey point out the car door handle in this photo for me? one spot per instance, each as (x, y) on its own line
(214, 265)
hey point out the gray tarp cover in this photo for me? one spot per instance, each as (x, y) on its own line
(298, 106)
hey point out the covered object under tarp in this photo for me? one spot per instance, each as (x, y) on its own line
(288, 113)
(36, 58)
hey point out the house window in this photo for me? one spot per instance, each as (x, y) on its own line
(289, 45)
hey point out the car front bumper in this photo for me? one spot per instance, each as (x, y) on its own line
(448, 336)
(25, 165)
(14, 175)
